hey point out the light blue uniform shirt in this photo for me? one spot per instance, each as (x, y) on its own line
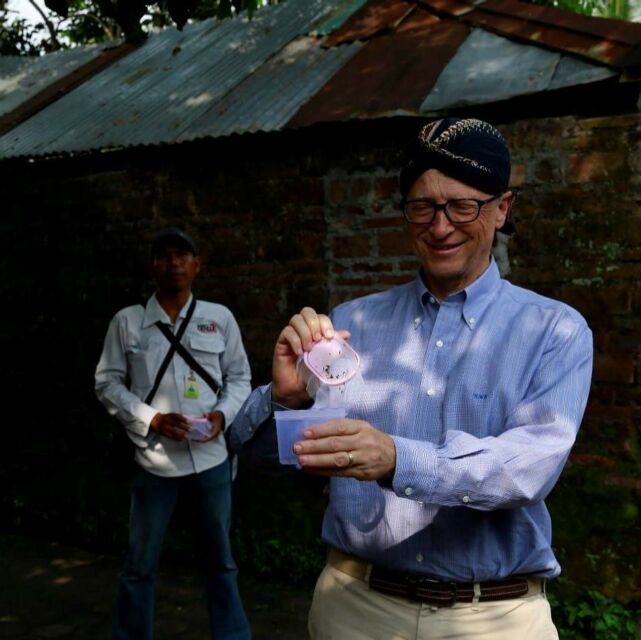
(483, 395)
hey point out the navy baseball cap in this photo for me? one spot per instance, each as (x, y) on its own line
(172, 234)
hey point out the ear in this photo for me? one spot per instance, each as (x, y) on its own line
(505, 206)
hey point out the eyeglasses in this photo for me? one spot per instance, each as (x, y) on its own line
(459, 211)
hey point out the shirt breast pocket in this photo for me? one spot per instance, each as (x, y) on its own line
(137, 362)
(208, 351)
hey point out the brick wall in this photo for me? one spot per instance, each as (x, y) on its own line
(311, 217)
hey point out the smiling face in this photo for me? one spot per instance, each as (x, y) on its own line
(454, 256)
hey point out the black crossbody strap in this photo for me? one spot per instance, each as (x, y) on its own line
(172, 349)
(189, 358)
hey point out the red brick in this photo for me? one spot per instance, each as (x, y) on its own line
(351, 246)
(617, 368)
(394, 243)
(337, 191)
(386, 187)
(360, 187)
(372, 266)
(517, 177)
(595, 166)
(379, 223)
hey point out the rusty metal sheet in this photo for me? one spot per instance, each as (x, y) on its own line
(336, 18)
(375, 17)
(452, 8)
(576, 42)
(602, 28)
(390, 75)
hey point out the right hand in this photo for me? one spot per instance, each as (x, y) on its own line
(304, 329)
(171, 425)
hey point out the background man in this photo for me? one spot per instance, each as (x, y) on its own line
(152, 406)
(474, 392)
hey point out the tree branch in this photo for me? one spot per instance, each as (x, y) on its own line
(55, 43)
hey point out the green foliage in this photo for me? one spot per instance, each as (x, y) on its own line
(605, 8)
(594, 616)
(291, 561)
(67, 23)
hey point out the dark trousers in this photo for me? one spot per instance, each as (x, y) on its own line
(153, 499)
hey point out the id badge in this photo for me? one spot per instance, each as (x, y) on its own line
(192, 390)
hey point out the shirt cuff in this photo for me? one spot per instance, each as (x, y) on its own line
(257, 408)
(144, 415)
(415, 474)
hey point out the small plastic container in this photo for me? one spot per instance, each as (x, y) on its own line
(200, 428)
(332, 361)
(291, 424)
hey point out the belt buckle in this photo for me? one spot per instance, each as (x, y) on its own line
(451, 591)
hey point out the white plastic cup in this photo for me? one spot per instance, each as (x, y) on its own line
(291, 424)
(200, 428)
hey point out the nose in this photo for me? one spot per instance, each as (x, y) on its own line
(441, 226)
(174, 259)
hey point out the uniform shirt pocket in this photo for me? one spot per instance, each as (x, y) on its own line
(207, 350)
(138, 365)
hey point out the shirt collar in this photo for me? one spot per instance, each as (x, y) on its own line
(154, 312)
(477, 295)
(480, 293)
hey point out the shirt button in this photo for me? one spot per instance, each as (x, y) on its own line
(439, 343)
(419, 557)
(417, 321)
(409, 491)
(430, 392)
(472, 321)
(465, 499)
(432, 299)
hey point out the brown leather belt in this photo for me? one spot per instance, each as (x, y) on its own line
(433, 592)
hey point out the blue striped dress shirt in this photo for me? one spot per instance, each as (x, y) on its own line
(483, 394)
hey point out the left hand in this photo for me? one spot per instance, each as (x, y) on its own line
(217, 420)
(327, 447)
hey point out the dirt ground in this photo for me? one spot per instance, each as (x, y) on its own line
(49, 590)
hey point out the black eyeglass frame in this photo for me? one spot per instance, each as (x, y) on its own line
(444, 205)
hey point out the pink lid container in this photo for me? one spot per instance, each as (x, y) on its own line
(332, 361)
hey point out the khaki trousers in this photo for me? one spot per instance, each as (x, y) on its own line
(345, 608)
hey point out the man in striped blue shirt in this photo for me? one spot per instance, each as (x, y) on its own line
(474, 390)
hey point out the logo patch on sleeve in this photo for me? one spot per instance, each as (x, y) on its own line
(208, 327)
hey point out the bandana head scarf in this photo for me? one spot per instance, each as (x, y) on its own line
(469, 150)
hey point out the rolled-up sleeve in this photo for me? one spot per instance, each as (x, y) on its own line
(110, 382)
(521, 465)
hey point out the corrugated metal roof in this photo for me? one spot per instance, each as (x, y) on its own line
(336, 18)
(155, 94)
(380, 58)
(606, 40)
(377, 16)
(515, 69)
(22, 77)
(390, 74)
(268, 98)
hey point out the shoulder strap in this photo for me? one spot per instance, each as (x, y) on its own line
(184, 353)
(172, 349)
